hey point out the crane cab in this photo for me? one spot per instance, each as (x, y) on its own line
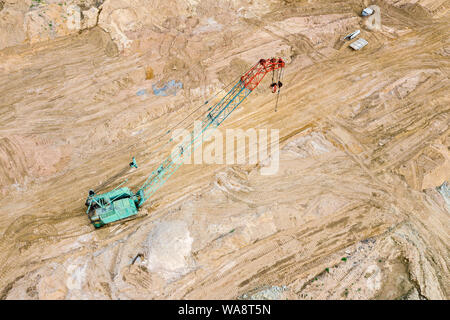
(111, 206)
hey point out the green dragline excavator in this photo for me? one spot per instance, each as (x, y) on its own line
(122, 203)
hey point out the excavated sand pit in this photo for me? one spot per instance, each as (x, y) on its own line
(352, 213)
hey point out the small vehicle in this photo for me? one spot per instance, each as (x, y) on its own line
(367, 12)
(359, 44)
(352, 35)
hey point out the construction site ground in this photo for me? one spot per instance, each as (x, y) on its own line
(353, 212)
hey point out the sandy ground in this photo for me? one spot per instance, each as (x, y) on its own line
(353, 212)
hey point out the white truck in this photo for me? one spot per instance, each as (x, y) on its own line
(352, 35)
(367, 12)
(359, 44)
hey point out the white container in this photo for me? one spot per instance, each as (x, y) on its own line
(359, 44)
